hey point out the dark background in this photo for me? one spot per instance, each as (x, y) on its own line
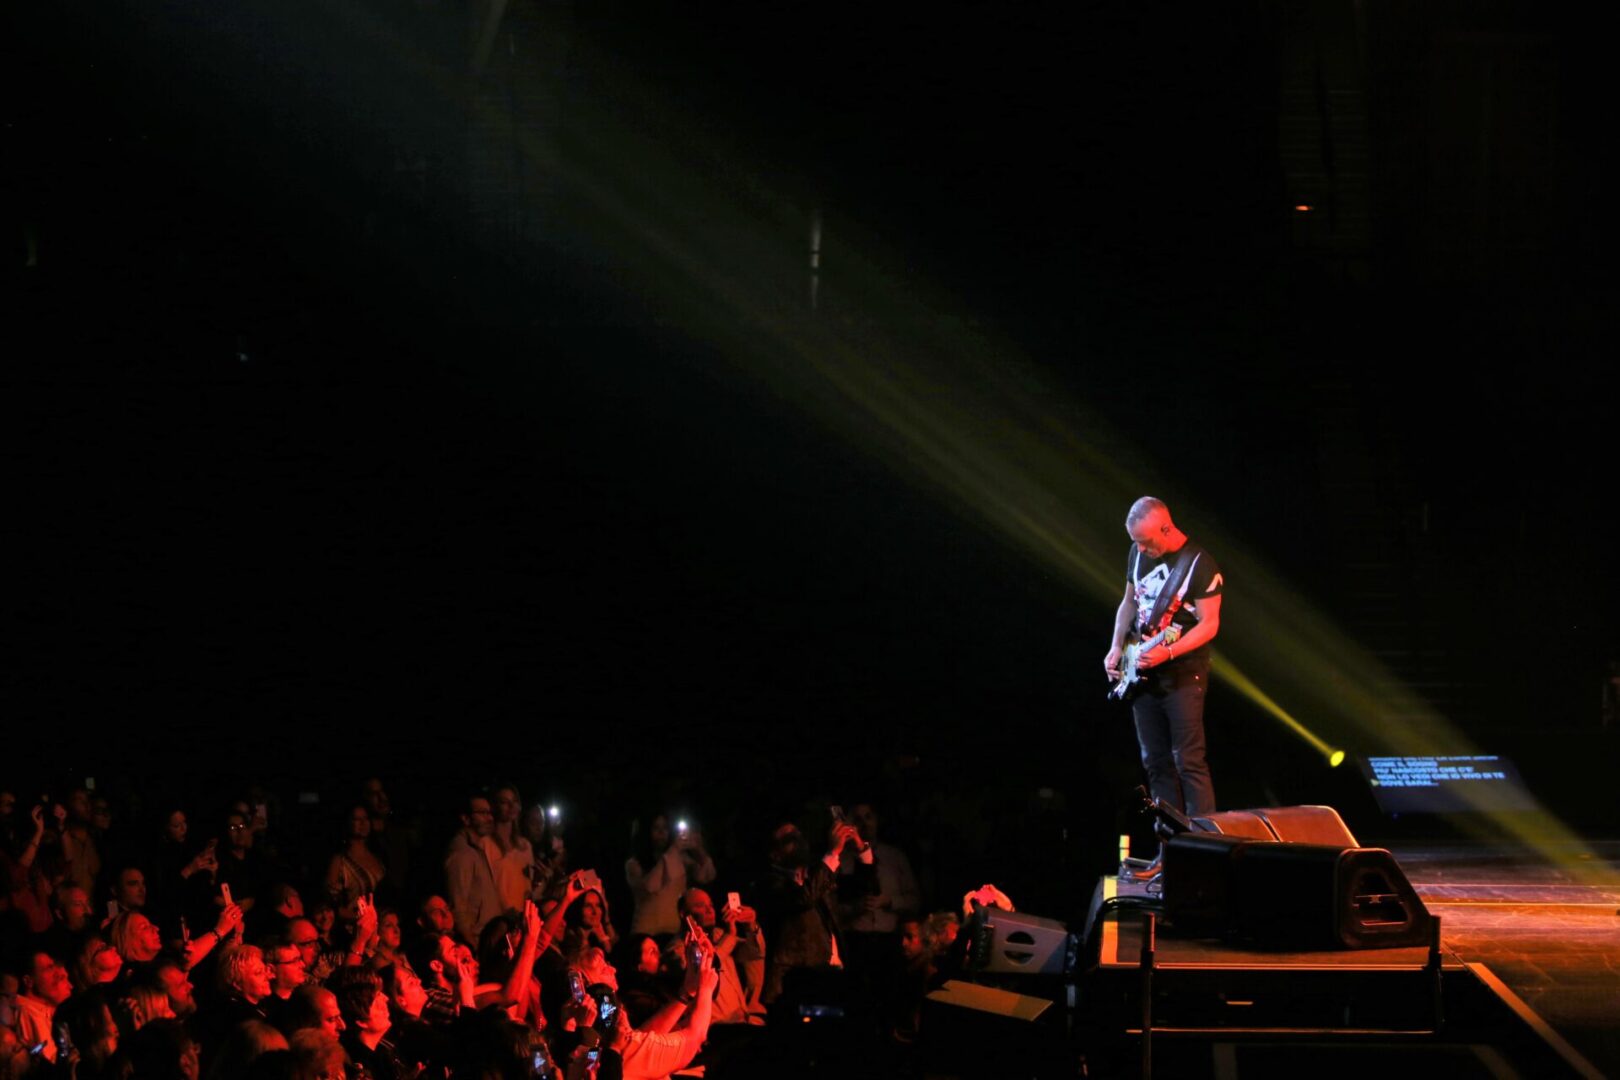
(347, 435)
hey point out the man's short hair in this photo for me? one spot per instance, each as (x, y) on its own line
(165, 961)
(1144, 506)
(355, 988)
(63, 890)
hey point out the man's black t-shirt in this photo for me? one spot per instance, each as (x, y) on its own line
(1149, 576)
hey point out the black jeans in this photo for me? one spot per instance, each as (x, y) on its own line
(1169, 715)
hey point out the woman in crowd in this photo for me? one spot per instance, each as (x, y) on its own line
(387, 950)
(96, 963)
(658, 871)
(354, 871)
(644, 986)
(589, 924)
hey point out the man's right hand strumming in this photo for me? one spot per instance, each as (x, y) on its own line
(1111, 662)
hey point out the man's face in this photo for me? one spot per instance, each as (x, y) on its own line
(1151, 534)
(375, 798)
(437, 916)
(176, 827)
(331, 1016)
(787, 847)
(911, 940)
(51, 982)
(700, 907)
(239, 832)
(131, 889)
(177, 984)
(461, 956)
(288, 969)
(78, 805)
(409, 997)
(507, 807)
(377, 1018)
(101, 813)
(479, 818)
(302, 935)
(864, 818)
(75, 908)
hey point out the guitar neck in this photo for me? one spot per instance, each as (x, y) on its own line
(1153, 642)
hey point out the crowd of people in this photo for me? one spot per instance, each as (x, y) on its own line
(161, 948)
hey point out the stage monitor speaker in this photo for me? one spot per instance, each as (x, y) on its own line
(1298, 824)
(1010, 941)
(1307, 825)
(1239, 823)
(1286, 895)
(1198, 882)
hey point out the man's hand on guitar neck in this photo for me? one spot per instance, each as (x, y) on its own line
(1159, 654)
(1209, 624)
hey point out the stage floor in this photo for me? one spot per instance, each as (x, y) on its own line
(1548, 928)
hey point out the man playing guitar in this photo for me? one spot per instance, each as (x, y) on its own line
(1170, 584)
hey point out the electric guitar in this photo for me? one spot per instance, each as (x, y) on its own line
(1128, 674)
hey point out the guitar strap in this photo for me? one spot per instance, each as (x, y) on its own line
(1175, 587)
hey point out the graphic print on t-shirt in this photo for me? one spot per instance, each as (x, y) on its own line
(1148, 588)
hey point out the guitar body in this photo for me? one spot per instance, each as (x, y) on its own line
(1130, 677)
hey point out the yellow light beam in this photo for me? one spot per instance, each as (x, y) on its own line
(688, 223)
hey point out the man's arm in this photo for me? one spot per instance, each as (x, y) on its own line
(458, 882)
(1209, 624)
(1123, 618)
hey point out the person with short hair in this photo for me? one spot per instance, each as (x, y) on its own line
(737, 942)
(129, 888)
(244, 984)
(1173, 587)
(469, 870)
(798, 904)
(313, 1006)
(42, 986)
(174, 977)
(366, 1021)
(317, 1055)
